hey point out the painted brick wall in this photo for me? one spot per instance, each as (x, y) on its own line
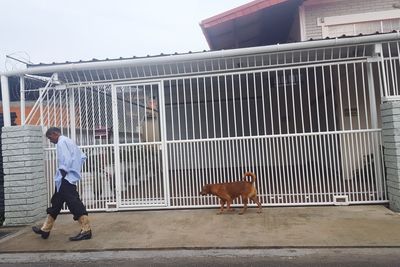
(391, 141)
(345, 7)
(25, 188)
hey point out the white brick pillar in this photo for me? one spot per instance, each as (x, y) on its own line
(390, 112)
(25, 187)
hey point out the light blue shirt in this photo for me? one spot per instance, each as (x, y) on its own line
(69, 158)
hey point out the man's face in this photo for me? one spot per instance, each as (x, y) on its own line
(53, 137)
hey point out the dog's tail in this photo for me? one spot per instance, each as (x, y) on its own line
(253, 176)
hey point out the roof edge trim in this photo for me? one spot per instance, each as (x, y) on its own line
(207, 55)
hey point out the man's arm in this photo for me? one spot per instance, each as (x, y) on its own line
(64, 158)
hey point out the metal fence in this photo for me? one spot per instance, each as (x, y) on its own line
(389, 72)
(305, 122)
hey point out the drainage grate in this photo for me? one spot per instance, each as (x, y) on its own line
(341, 200)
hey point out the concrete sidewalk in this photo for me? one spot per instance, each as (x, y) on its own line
(290, 227)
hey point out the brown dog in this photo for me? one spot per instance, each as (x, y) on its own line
(227, 192)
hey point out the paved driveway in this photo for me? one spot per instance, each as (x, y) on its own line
(290, 227)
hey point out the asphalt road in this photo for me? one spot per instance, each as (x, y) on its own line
(351, 257)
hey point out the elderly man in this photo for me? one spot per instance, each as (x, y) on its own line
(69, 160)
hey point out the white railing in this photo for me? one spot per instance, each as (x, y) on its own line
(389, 71)
(305, 169)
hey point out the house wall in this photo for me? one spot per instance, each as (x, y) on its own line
(313, 11)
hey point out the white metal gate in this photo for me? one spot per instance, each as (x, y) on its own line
(285, 125)
(118, 128)
(305, 122)
(138, 146)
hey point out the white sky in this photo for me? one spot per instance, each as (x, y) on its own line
(68, 30)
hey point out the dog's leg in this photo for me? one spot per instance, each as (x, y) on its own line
(245, 200)
(221, 210)
(228, 205)
(255, 200)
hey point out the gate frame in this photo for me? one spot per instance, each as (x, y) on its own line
(116, 143)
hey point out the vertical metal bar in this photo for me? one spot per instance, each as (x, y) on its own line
(379, 52)
(282, 176)
(366, 140)
(255, 103)
(197, 168)
(93, 115)
(362, 181)
(222, 120)
(80, 115)
(221, 133)
(145, 147)
(265, 154)
(270, 103)
(153, 148)
(313, 190)
(131, 114)
(359, 155)
(22, 94)
(234, 103)
(397, 66)
(378, 181)
(381, 163)
(227, 109)
(117, 172)
(185, 109)
(139, 119)
(374, 123)
(322, 139)
(321, 195)
(123, 113)
(174, 158)
(304, 169)
(206, 106)
(333, 137)
(192, 107)
(372, 97)
(107, 141)
(228, 143)
(52, 111)
(96, 187)
(292, 177)
(178, 108)
(72, 115)
(178, 149)
(286, 101)
(198, 108)
(263, 103)
(5, 94)
(391, 76)
(141, 140)
(213, 108)
(241, 103)
(343, 136)
(302, 160)
(278, 101)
